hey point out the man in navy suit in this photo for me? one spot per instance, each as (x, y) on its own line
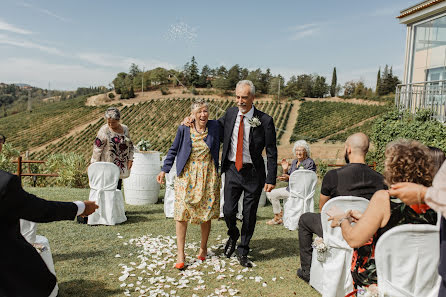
(23, 272)
(246, 132)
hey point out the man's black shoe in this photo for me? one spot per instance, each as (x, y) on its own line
(244, 261)
(302, 275)
(230, 247)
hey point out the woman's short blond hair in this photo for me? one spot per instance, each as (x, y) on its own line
(408, 161)
(198, 103)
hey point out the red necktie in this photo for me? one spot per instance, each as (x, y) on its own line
(239, 153)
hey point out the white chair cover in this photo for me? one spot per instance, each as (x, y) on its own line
(336, 276)
(407, 259)
(169, 196)
(103, 178)
(28, 230)
(48, 259)
(302, 187)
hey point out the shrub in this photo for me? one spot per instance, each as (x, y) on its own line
(396, 125)
(322, 168)
(194, 91)
(71, 168)
(6, 157)
(165, 90)
(111, 95)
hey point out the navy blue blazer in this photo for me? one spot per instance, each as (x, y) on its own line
(182, 146)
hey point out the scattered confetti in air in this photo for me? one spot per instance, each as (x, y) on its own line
(181, 31)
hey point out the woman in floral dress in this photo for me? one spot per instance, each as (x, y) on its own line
(406, 161)
(197, 188)
(113, 144)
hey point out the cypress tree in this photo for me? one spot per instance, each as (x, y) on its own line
(334, 82)
(378, 82)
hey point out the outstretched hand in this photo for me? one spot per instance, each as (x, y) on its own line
(285, 165)
(90, 207)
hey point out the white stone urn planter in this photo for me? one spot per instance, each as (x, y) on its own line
(141, 188)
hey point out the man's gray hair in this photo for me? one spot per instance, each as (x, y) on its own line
(198, 103)
(302, 143)
(247, 83)
(113, 113)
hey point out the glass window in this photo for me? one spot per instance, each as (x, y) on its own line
(429, 50)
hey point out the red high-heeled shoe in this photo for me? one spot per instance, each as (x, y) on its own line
(180, 266)
(201, 258)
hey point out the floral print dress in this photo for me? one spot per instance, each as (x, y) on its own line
(363, 262)
(197, 189)
(113, 147)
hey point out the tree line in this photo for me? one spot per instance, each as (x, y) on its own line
(225, 80)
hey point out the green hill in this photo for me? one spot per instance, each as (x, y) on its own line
(320, 119)
(154, 120)
(47, 122)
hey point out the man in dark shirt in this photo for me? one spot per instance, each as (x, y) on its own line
(354, 179)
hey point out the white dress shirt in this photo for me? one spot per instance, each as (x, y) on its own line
(232, 152)
(80, 207)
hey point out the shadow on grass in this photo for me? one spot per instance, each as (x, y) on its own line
(265, 249)
(144, 212)
(77, 255)
(135, 219)
(81, 287)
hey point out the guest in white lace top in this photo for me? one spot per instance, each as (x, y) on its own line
(113, 144)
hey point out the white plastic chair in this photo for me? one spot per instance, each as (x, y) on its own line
(407, 258)
(332, 278)
(103, 178)
(169, 196)
(302, 187)
(48, 259)
(28, 230)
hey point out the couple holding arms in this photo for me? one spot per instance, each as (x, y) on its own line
(244, 132)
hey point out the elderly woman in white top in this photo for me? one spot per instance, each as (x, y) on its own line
(301, 149)
(113, 144)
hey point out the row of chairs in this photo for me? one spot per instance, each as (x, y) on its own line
(406, 257)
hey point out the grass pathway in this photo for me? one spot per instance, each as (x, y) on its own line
(284, 149)
(86, 263)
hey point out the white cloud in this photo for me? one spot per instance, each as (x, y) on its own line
(305, 33)
(303, 27)
(106, 60)
(5, 39)
(44, 11)
(302, 31)
(4, 26)
(62, 76)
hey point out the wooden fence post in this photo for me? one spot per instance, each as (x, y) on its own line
(19, 167)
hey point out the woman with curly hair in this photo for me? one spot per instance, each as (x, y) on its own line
(406, 161)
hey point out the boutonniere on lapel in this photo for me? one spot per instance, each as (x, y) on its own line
(254, 122)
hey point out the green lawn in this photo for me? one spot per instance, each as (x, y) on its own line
(86, 263)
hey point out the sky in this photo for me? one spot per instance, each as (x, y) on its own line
(64, 44)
